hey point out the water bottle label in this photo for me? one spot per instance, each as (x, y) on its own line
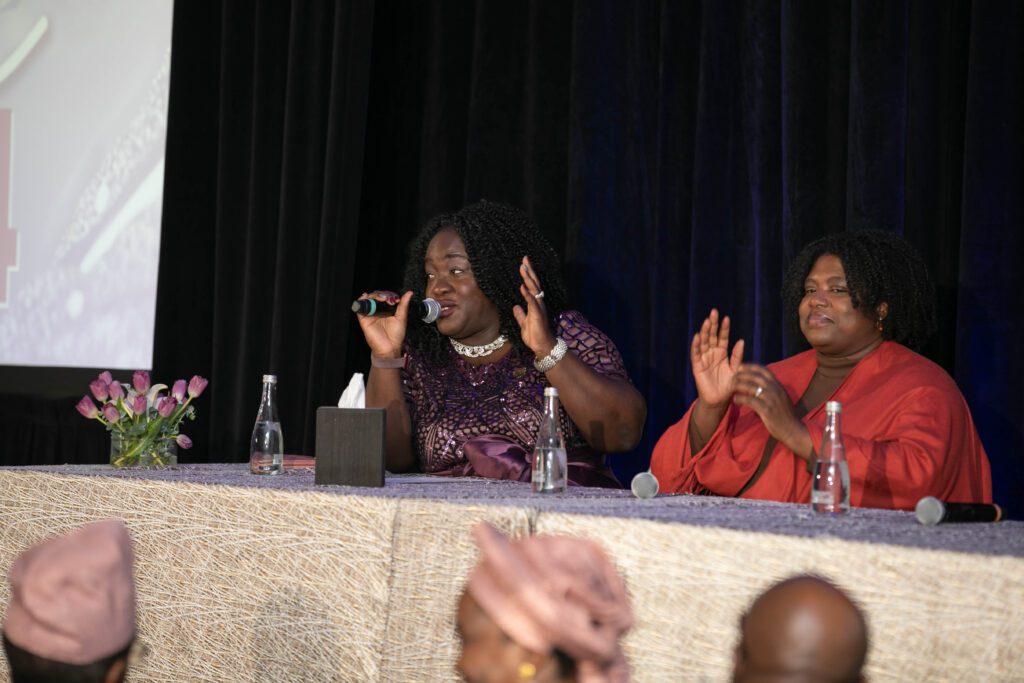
(823, 498)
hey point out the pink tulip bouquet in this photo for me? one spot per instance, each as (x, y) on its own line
(143, 419)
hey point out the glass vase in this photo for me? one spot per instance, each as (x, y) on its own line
(126, 451)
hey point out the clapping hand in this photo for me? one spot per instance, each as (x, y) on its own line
(714, 368)
(758, 389)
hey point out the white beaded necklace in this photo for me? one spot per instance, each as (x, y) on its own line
(478, 351)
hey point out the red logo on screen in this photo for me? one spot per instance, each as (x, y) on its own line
(8, 236)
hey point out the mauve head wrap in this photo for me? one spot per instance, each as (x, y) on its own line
(73, 596)
(548, 592)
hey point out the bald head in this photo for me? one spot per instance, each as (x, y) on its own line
(802, 629)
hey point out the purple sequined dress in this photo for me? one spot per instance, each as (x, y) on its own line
(482, 420)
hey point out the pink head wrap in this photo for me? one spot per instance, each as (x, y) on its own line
(73, 597)
(549, 592)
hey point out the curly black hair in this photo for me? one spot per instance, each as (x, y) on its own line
(497, 236)
(880, 267)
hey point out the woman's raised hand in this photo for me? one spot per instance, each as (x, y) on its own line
(534, 327)
(385, 334)
(714, 368)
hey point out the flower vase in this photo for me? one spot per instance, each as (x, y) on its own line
(126, 451)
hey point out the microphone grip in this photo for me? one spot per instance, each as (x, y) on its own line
(426, 310)
(931, 511)
(372, 307)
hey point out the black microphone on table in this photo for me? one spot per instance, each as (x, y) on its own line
(931, 511)
(426, 310)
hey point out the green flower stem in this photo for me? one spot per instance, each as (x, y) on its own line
(179, 413)
(131, 456)
(110, 425)
(135, 451)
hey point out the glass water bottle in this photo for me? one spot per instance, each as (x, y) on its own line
(266, 452)
(549, 460)
(830, 488)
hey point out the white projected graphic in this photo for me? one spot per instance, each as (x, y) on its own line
(83, 125)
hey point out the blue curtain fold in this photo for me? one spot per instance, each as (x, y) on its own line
(710, 141)
(990, 315)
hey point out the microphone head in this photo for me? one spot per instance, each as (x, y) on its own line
(644, 485)
(432, 310)
(929, 510)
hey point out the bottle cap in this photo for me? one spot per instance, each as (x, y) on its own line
(270, 378)
(550, 391)
(833, 407)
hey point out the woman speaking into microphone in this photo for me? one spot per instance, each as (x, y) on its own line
(464, 397)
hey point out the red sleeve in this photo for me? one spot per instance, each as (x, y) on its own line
(671, 455)
(718, 468)
(924, 444)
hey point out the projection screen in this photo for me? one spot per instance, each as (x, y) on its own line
(83, 123)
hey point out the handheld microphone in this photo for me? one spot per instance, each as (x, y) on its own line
(426, 310)
(931, 511)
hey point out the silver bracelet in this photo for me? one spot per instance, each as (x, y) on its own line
(549, 361)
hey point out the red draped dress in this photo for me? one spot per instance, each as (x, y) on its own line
(907, 431)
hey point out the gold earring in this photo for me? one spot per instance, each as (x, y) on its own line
(527, 671)
(879, 325)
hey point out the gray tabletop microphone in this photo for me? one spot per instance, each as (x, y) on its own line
(644, 485)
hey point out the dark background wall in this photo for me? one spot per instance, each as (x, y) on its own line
(676, 153)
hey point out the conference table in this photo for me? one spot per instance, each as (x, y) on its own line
(257, 578)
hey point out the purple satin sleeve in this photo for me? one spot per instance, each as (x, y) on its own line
(498, 457)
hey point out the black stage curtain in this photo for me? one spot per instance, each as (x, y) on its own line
(677, 153)
(261, 207)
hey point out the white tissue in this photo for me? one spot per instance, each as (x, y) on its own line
(354, 395)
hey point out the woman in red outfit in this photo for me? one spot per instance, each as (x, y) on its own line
(862, 301)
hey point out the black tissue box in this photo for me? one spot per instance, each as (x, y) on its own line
(350, 446)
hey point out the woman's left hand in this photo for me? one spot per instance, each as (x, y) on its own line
(533, 322)
(609, 412)
(757, 388)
